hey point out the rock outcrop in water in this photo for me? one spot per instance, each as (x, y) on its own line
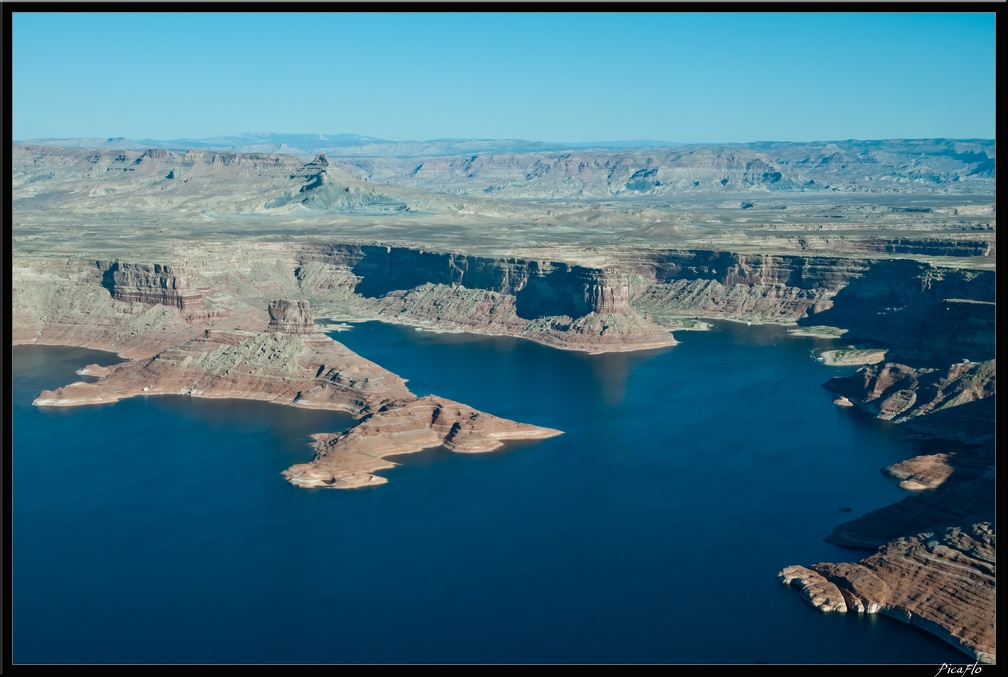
(299, 367)
(347, 460)
(953, 403)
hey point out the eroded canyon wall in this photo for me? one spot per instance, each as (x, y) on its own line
(540, 288)
(922, 312)
(151, 284)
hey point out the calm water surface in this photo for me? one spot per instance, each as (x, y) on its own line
(159, 530)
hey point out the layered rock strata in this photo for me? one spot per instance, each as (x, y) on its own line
(934, 552)
(303, 369)
(559, 304)
(137, 179)
(167, 256)
(955, 402)
(152, 284)
(967, 497)
(954, 568)
(562, 305)
(289, 363)
(909, 306)
(349, 459)
(631, 304)
(906, 304)
(290, 317)
(767, 168)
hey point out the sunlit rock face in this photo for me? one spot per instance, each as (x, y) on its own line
(152, 283)
(290, 317)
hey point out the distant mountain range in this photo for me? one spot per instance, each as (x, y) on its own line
(261, 177)
(342, 145)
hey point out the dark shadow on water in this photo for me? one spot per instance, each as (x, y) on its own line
(612, 371)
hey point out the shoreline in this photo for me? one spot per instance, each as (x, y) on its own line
(221, 365)
(810, 332)
(852, 357)
(134, 331)
(600, 349)
(209, 237)
(348, 459)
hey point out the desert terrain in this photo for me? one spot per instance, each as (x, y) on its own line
(214, 267)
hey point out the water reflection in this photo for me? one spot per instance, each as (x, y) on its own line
(612, 372)
(497, 362)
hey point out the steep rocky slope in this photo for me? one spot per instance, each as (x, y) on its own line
(953, 403)
(955, 564)
(923, 313)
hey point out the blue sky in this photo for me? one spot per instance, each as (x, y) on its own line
(562, 77)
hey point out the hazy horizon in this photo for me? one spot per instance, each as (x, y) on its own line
(562, 77)
(578, 142)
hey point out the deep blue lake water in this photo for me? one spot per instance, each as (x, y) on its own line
(159, 529)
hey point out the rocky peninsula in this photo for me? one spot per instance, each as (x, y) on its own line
(290, 363)
(202, 267)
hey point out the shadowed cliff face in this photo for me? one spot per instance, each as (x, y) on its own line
(955, 402)
(729, 268)
(931, 314)
(921, 312)
(541, 289)
(924, 314)
(571, 290)
(822, 225)
(386, 269)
